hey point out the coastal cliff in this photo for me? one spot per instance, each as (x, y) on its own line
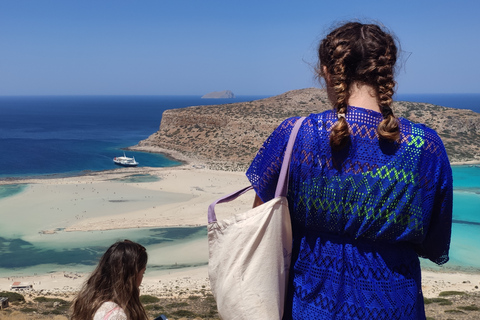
(228, 136)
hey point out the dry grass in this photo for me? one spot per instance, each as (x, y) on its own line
(17, 315)
(201, 306)
(449, 305)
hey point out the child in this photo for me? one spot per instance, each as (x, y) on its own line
(111, 292)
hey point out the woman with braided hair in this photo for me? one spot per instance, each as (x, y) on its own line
(369, 193)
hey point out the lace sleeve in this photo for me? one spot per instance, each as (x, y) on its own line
(437, 240)
(265, 167)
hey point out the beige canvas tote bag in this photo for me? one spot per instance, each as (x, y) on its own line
(249, 254)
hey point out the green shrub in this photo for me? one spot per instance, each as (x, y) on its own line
(440, 301)
(12, 296)
(451, 293)
(177, 305)
(454, 311)
(184, 313)
(154, 307)
(45, 299)
(469, 308)
(145, 299)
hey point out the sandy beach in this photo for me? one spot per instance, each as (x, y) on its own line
(178, 196)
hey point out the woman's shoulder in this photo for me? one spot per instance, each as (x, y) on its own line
(419, 130)
(283, 130)
(327, 114)
(110, 311)
(420, 136)
(289, 123)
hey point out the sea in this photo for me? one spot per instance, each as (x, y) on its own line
(57, 136)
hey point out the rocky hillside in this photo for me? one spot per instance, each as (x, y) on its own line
(228, 136)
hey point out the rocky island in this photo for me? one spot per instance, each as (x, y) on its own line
(225, 94)
(228, 136)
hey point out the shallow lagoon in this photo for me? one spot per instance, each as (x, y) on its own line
(168, 248)
(465, 244)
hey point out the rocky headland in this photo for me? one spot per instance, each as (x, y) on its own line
(228, 136)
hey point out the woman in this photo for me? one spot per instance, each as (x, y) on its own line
(111, 292)
(369, 193)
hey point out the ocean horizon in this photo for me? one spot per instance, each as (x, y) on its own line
(470, 101)
(54, 136)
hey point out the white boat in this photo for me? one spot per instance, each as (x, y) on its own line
(125, 161)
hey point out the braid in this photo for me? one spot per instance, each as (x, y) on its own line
(389, 128)
(340, 134)
(361, 53)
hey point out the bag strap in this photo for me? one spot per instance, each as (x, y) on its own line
(282, 184)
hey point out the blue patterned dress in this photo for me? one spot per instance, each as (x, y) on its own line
(361, 217)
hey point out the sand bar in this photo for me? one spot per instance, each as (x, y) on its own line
(102, 201)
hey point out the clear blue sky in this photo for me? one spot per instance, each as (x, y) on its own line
(252, 47)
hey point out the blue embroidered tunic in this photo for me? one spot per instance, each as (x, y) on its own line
(361, 217)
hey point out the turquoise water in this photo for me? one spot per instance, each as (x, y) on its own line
(465, 243)
(466, 207)
(80, 251)
(137, 178)
(464, 250)
(11, 189)
(467, 176)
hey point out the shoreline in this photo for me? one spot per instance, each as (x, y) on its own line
(171, 154)
(465, 163)
(185, 163)
(175, 283)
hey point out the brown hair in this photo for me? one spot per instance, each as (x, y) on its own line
(364, 54)
(114, 279)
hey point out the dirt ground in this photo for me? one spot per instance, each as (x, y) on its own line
(449, 305)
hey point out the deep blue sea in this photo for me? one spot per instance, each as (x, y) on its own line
(451, 100)
(69, 135)
(44, 135)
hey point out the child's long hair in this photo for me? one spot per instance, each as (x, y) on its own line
(114, 279)
(364, 54)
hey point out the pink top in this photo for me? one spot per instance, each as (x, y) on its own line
(110, 311)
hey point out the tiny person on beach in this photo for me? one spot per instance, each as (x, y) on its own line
(112, 290)
(369, 193)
